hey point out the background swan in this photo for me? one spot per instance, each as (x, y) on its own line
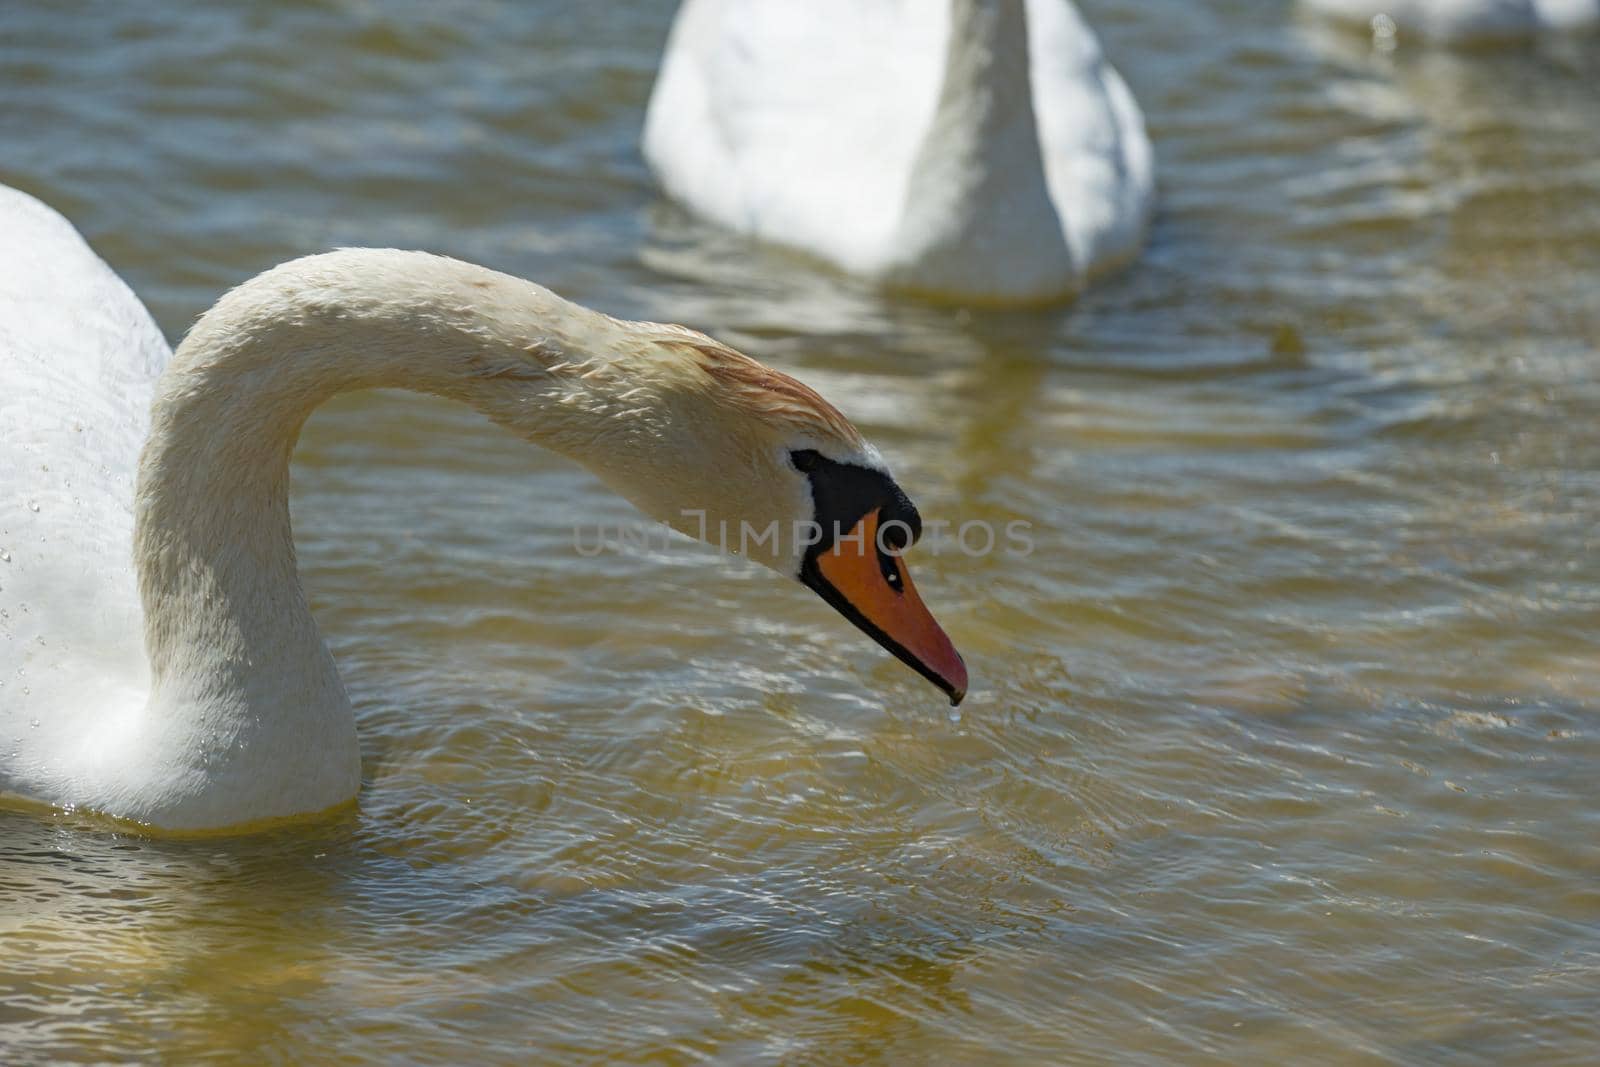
(1463, 20)
(229, 709)
(975, 148)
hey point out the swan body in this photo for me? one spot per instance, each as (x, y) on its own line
(1467, 20)
(973, 148)
(79, 359)
(159, 659)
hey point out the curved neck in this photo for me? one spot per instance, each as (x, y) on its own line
(235, 654)
(978, 190)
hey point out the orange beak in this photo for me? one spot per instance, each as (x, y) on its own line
(873, 589)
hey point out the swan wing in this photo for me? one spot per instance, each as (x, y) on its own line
(79, 355)
(798, 123)
(1097, 157)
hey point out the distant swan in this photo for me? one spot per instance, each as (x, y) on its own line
(157, 657)
(971, 148)
(1465, 20)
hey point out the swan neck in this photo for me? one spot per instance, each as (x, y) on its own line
(977, 194)
(984, 119)
(213, 545)
(986, 62)
(247, 717)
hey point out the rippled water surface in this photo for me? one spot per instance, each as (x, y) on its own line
(1283, 743)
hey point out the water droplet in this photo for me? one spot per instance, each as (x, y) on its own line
(25, 692)
(33, 505)
(34, 723)
(5, 557)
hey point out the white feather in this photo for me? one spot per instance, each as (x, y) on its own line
(79, 358)
(980, 148)
(158, 660)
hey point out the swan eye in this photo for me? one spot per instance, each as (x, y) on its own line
(805, 459)
(895, 534)
(902, 525)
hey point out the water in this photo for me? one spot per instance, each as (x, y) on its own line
(1281, 744)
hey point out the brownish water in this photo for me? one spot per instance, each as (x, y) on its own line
(1282, 744)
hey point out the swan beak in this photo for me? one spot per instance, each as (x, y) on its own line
(872, 588)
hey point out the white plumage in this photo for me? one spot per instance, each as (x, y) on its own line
(974, 148)
(158, 660)
(79, 358)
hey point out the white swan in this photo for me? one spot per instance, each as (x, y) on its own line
(158, 658)
(1465, 20)
(974, 148)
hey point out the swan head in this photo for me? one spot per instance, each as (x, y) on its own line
(746, 458)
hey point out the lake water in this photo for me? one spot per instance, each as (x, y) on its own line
(1282, 744)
